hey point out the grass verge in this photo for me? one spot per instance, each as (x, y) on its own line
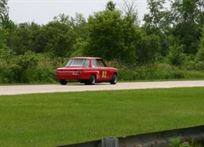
(63, 118)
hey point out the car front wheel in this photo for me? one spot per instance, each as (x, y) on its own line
(114, 79)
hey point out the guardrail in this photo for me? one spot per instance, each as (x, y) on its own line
(158, 139)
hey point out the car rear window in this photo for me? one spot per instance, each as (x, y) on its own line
(77, 62)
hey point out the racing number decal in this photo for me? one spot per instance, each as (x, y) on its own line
(104, 74)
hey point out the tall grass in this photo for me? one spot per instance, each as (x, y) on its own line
(159, 71)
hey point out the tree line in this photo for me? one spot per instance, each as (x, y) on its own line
(170, 37)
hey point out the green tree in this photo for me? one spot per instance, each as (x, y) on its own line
(130, 10)
(112, 36)
(148, 48)
(2, 38)
(79, 25)
(200, 53)
(157, 22)
(56, 38)
(3, 15)
(110, 6)
(187, 19)
(158, 19)
(81, 33)
(3, 11)
(21, 38)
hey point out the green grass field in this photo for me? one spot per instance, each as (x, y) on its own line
(43, 120)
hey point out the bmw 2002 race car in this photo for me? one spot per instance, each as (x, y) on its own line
(88, 70)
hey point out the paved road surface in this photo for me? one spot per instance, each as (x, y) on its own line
(75, 87)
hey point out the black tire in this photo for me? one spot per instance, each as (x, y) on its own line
(83, 81)
(92, 80)
(114, 79)
(63, 82)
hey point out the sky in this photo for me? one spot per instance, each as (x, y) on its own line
(43, 11)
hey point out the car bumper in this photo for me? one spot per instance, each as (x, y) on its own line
(72, 76)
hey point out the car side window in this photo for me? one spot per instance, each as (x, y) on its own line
(86, 63)
(94, 64)
(100, 63)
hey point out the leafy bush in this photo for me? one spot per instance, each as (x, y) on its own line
(199, 66)
(178, 143)
(147, 48)
(28, 68)
(176, 56)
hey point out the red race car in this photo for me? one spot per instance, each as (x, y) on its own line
(88, 70)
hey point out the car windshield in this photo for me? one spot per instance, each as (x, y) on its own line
(77, 62)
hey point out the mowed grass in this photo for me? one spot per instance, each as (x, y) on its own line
(43, 120)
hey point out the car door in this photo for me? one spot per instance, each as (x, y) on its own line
(103, 71)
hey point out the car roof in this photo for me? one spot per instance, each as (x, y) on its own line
(86, 58)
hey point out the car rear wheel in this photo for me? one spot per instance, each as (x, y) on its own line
(114, 79)
(63, 82)
(92, 80)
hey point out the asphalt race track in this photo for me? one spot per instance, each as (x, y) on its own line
(76, 87)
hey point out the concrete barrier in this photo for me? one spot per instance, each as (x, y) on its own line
(157, 139)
